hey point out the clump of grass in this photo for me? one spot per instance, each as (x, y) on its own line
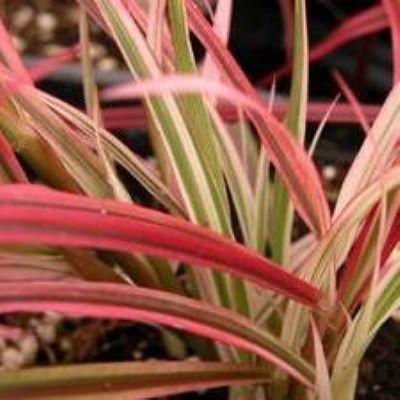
(286, 318)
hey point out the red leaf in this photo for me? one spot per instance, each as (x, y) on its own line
(392, 240)
(33, 214)
(117, 301)
(134, 117)
(46, 67)
(364, 23)
(10, 161)
(392, 9)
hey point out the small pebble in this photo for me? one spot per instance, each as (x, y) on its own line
(12, 359)
(142, 345)
(46, 21)
(329, 172)
(65, 345)
(137, 355)
(22, 17)
(28, 347)
(107, 64)
(97, 50)
(47, 333)
(52, 318)
(376, 388)
(52, 49)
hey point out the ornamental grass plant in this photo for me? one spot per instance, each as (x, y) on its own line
(212, 259)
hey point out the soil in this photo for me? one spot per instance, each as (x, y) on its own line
(41, 28)
(44, 26)
(380, 369)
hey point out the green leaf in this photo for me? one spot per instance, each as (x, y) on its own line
(194, 110)
(282, 218)
(115, 381)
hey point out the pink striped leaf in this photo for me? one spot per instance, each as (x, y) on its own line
(34, 214)
(352, 100)
(374, 155)
(364, 23)
(290, 159)
(43, 68)
(117, 301)
(116, 381)
(134, 117)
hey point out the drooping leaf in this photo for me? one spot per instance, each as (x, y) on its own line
(25, 218)
(125, 302)
(45, 67)
(133, 117)
(366, 22)
(112, 381)
(119, 152)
